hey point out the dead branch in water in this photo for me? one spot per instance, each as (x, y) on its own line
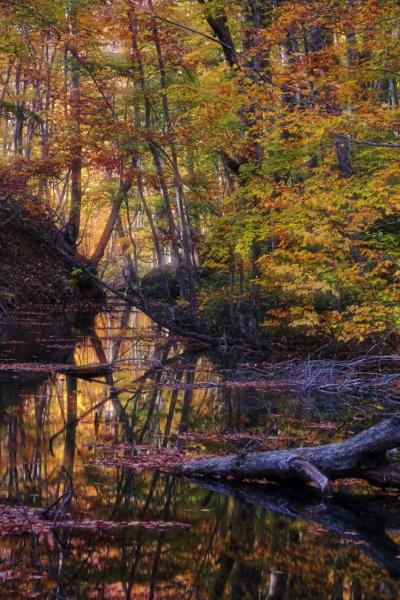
(359, 376)
(362, 456)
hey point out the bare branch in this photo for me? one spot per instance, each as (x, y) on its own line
(366, 142)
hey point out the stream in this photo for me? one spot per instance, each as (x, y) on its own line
(244, 541)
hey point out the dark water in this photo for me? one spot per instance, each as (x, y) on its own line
(244, 542)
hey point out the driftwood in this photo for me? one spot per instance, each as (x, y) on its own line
(362, 456)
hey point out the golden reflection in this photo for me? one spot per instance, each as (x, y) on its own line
(156, 394)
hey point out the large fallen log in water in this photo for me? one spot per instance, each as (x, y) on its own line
(363, 456)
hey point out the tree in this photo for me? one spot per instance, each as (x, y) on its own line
(254, 143)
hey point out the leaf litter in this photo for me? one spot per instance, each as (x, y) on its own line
(21, 520)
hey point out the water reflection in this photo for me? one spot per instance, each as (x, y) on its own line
(244, 542)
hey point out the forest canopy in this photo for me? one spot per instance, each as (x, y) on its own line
(236, 159)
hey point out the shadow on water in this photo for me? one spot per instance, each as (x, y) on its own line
(245, 541)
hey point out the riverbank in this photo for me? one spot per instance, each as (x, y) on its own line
(32, 271)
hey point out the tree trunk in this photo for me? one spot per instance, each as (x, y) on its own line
(343, 154)
(185, 233)
(76, 143)
(19, 111)
(142, 198)
(118, 200)
(157, 161)
(256, 15)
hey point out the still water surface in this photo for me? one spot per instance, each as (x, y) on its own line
(243, 543)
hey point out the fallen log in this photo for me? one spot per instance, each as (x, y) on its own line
(32, 369)
(362, 456)
(89, 371)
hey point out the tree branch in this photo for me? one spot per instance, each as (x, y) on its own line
(366, 142)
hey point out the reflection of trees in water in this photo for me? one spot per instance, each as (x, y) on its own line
(236, 549)
(13, 486)
(241, 550)
(24, 439)
(295, 563)
(234, 562)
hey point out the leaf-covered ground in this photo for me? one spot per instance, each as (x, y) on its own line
(21, 520)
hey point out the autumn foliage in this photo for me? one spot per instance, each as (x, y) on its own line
(253, 146)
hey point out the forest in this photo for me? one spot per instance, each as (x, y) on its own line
(199, 299)
(235, 161)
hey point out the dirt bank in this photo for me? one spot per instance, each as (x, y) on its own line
(31, 269)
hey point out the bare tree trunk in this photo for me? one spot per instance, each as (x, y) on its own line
(3, 111)
(256, 15)
(142, 199)
(29, 133)
(19, 111)
(186, 237)
(277, 585)
(393, 95)
(219, 25)
(75, 117)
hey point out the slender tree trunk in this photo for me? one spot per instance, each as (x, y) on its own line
(19, 111)
(3, 111)
(343, 155)
(119, 198)
(157, 161)
(75, 118)
(142, 198)
(185, 234)
(256, 15)
(393, 96)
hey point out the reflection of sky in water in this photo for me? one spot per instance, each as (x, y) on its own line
(258, 545)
